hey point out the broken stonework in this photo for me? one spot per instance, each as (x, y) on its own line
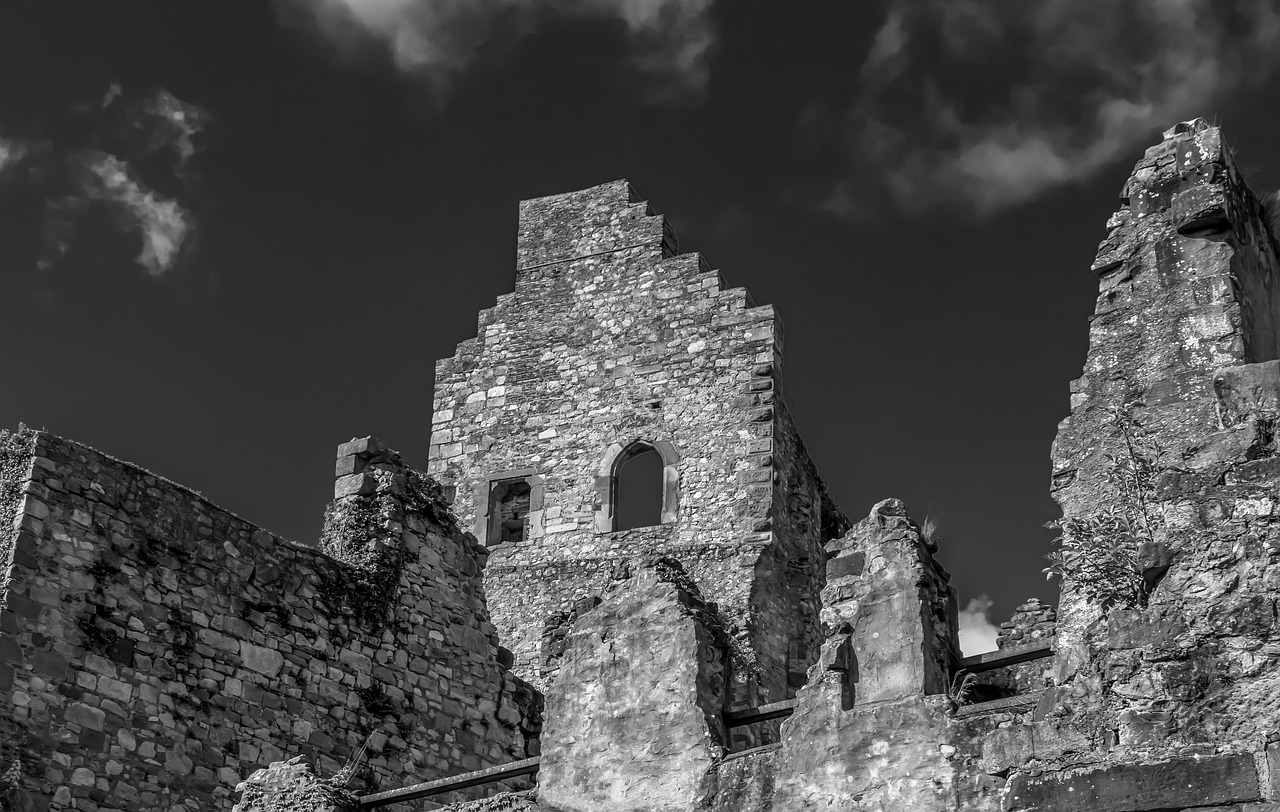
(1171, 431)
(293, 786)
(633, 716)
(1034, 624)
(155, 649)
(878, 695)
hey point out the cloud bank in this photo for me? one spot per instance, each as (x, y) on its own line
(129, 148)
(436, 39)
(990, 105)
(977, 632)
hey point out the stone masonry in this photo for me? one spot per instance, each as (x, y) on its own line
(155, 649)
(156, 652)
(1170, 450)
(612, 339)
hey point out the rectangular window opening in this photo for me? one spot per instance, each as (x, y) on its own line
(508, 511)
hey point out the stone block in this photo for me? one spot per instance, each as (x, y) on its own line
(352, 464)
(85, 716)
(1200, 208)
(362, 447)
(845, 566)
(1178, 784)
(1273, 771)
(261, 659)
(354, 485)
(1247, 391)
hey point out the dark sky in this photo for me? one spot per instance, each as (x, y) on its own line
(235, 234)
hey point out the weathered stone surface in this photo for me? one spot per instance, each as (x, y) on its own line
(155, 631)
(900, 610)
(1172, 429)
(633, 716)
(610, 338)
(1190, 782)
(154, 649)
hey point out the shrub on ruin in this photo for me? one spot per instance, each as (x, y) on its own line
(1100, 554)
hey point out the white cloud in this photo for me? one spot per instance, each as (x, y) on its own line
(438, 38)
(977, 632)
(11, 152)
(162, 224)
(962, 103)
(133, 146)
(173, 125)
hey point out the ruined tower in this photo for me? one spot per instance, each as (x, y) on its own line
(613, 345)
(1170, 450)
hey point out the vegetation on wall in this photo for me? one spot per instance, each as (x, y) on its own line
(1100, 554)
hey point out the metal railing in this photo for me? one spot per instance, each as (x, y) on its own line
(426, 789)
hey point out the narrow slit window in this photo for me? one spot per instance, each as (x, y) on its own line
(508, 511)
(638, 487)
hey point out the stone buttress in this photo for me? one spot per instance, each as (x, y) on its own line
(612, 342)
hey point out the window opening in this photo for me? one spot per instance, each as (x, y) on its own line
(638, 487)
(508, 511)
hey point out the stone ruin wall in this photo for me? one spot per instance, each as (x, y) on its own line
(1162, 701)
(155, 650)
(1163, 698)
(611, 337)
(1181, 363)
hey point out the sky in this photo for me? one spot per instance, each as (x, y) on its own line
(235, 234)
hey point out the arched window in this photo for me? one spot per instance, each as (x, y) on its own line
(637, 487)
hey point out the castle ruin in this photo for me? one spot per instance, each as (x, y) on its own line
(500, 632)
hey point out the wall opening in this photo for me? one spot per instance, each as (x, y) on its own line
(638, 485)
(509, 502)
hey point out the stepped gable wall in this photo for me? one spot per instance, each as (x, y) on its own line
(155, 649)
(611, 337)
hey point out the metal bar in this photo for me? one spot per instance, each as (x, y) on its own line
(1009, 656)
(1008, 703)
(764, 713)
(502, 772)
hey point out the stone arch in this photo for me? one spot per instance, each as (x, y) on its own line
(606, 480)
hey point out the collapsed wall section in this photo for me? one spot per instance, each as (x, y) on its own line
(1166, 469)
(157, 649)
(610, 343)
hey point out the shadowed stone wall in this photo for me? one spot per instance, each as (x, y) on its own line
(155, 649)
(609, 338)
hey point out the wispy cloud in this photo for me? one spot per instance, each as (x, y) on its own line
(990, 105)
(11, 151)
(977, 632)
(130, 147)
(437, 39)
(160, 222)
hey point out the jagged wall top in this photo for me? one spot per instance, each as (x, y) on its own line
(608, 217)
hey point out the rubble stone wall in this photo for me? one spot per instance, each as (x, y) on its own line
(610, 338)
(155, 649)
(1172, 430)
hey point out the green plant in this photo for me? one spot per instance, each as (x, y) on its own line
(1100, 554)
(929, 531)
(961, 689)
